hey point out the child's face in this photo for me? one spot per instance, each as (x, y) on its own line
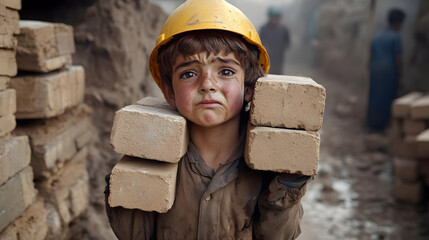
(208, 89)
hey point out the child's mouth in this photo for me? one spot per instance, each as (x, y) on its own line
(209, 103)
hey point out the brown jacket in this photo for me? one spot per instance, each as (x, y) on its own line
(235, 202)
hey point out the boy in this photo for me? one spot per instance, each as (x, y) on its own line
(206, 62)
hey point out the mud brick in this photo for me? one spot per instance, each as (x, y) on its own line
(15, 156)
(289, 102)
(53, 141)
(8, 41)
(406, 147)
(68, 189)
(406, 169)
(150, 133)
(420, 108)
(16, 195)
(401, 106)
(143, 184)
(282, 150)
(7, 124)
(43, 46)
(48, 95)
(7, 102)
(422, 141)
(409, 192)
(4, 82)
(13, 4)
(8, 60)
(47, 65)
(31, 225)
(414, 127)
(9, 21)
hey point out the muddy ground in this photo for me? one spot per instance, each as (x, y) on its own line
(352, 195)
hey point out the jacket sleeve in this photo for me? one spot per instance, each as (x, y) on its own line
(279, 212)
(130, 224)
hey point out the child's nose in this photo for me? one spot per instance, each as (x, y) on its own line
(208, 83)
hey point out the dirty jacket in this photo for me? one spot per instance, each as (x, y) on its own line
(234, 202)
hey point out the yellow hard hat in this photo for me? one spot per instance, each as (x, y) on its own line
(203, 15)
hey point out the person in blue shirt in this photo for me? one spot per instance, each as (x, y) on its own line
(385, 71)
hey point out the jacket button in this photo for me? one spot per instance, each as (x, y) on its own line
(208, 197)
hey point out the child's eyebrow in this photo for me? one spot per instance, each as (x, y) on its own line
(185, 64)
(226, 60)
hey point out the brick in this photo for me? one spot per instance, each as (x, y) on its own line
(4, 82)
(154, 102)
(43, 46)
(68, 189)
(288, 102)
(422, 142)
(53, 141)
(16, 195)
(7, 124)
(31, 225)
(282, 150)
(7, 102)
(414, 127)
(9, 21)
(406, 147)
(8, 60)
(406, 169)
(8, 42)
(147, 132)
(401, 107)
(143, 184)
(15, 157)
(45, 66)
(64, 39)
(420, 108)
(48, 95)
(13, 4)
(397, 128)
(409, 192)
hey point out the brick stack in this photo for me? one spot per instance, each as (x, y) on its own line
(151, 129)
(153, 136)
(286, 114)
(17, 193)
(50, 111)
(410, 144)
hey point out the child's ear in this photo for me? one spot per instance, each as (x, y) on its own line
(168, 94)
(248, 93)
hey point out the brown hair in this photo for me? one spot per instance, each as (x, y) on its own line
(212, 42)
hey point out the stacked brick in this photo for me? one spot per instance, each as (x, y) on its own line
(286, 114)
(17, 192)
(55, 124)
(153, 136)
(410, 144)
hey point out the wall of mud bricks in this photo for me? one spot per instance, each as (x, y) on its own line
(45, 129)
(286, 114)
(410, 126)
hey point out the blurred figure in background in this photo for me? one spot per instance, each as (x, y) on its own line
(385, 71)
(275, 37)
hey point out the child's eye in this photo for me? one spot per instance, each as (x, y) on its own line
(227, 72)
(187, 75)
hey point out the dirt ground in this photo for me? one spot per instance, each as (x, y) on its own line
(352, 195)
